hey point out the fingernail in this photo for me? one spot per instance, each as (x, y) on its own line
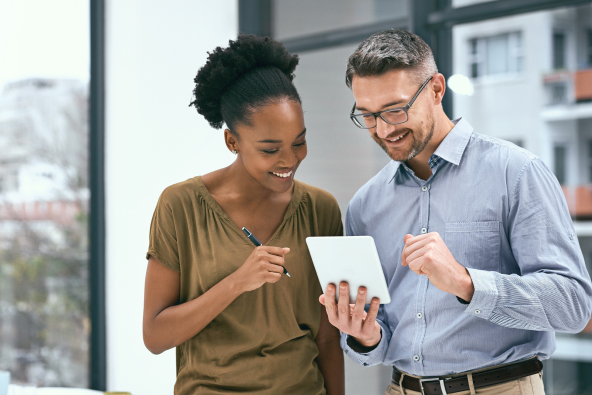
(362, 292)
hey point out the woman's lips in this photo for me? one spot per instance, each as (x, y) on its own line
(284, 175)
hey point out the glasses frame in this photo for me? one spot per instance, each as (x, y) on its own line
(405, 109)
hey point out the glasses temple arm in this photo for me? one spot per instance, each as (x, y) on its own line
(418, 92)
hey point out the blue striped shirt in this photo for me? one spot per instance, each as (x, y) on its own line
(502, 214)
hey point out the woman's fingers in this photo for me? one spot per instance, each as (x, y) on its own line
(276, 260)
(274, 268)
(273, 277)
(278, 251)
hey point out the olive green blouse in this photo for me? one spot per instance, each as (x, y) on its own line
(264, 341)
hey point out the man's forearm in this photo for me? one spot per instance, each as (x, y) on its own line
(537, 301)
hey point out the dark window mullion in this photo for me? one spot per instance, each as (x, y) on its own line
(98, 346)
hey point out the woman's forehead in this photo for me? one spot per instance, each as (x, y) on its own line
(276, 121)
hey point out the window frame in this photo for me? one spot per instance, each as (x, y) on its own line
(98, 339)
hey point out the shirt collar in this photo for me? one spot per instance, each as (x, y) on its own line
(452, 148)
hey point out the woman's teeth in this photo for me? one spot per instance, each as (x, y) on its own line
(283, 175)
(398, 138)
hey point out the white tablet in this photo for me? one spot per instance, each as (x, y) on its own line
(352, 259)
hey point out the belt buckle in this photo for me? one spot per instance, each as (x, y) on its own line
(442, 386)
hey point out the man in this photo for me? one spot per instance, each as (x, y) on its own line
(474, 235)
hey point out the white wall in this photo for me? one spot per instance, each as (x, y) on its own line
(154, 49)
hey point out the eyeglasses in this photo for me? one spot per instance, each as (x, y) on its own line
(393, 116)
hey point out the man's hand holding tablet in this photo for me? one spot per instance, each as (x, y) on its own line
(345, 261)
(352, 319)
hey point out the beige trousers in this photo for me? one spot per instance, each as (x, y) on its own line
(530, 385)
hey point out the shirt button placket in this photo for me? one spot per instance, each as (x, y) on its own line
(421, 327)
(425, 208)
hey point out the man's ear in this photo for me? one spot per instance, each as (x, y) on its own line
(438, 88)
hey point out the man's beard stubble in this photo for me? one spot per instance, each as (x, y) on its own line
(416, 145)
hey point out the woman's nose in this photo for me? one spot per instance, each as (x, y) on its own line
(288, 159)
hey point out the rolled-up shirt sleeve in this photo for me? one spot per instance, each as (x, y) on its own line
(377, 355)
(553, 291)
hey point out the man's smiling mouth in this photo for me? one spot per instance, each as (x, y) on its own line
(397, 138)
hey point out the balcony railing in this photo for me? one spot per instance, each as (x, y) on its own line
(568, 87)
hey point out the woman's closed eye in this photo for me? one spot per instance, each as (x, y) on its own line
(273, 151)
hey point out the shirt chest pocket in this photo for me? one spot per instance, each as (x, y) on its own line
(475, 244)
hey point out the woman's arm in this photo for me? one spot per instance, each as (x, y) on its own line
(167, 324)
(330, 359)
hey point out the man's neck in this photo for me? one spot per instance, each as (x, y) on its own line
(420, 163)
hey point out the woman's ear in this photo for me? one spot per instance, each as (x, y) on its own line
(231, 141)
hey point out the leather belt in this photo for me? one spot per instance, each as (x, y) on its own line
(486, 378)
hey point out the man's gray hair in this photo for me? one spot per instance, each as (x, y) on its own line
(391, 50)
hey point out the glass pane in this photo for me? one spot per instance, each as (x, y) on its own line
(558, 51)
(497, 54)
(559, 159)
(44, 322)
(536, 89)
(589, 53)
(298, 18)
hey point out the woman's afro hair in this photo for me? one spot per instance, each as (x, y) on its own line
(225, 66)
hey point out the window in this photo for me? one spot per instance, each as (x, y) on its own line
(589, 47)
(558, 50)
(44, 193)
(559, 155)
(590, 161)
(494, 55)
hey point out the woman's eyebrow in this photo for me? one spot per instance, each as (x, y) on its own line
(279, 141)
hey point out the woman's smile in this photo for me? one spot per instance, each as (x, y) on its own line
(283, 175)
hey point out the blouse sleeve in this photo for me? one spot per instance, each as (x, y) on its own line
(163, 235)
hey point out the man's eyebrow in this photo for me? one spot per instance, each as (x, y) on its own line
(385, 106)
(279, 141)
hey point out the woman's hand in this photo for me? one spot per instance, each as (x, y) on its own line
(264, 265)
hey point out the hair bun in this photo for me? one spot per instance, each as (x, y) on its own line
(226, 65)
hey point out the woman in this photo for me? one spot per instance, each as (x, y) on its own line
(239, 324)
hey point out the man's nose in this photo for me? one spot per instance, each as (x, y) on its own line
(383, 129)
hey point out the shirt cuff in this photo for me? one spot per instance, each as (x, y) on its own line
(370, 358)
(485, 297)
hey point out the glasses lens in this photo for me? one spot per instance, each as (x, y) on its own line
(395, 116)
(365, 120)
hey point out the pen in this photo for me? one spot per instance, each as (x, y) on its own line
(258, 243)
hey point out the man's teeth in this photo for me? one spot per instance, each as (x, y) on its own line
(398, 138)
(283, 175)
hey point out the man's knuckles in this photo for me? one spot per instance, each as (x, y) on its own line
(358, 315)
